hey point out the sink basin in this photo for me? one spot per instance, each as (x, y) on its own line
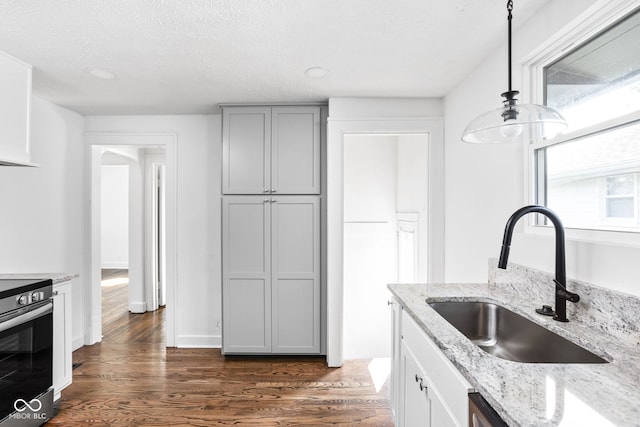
(505, 334)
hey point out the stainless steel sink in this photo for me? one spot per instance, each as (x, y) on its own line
(505, 334)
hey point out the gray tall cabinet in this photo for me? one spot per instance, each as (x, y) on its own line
(271, 289)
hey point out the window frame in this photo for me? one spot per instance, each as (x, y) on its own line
(594, 20)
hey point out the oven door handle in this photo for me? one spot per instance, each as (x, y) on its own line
(26, 317)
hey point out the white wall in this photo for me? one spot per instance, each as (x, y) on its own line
(485, 184)
(198, 287)
(41, 209)
(114, 216)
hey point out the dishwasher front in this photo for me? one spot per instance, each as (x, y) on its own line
(481, 414)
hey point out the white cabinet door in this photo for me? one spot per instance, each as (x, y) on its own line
(246, 148)
(246, 286)
(15, 105)
(445, 388)
(62, 355)
(295, 150)
(415, 409)
(295, 253)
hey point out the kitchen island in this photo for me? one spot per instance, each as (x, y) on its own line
(541, 394)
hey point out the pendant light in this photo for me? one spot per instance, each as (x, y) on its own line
(514, 122)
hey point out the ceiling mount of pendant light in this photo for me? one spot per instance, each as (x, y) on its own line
(514, 122)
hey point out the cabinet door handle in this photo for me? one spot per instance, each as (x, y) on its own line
(266, 200)
(420, 381)
(273, 190)
(274, 201)
(266, 190)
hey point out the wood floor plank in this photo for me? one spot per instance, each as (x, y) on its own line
(132, 379)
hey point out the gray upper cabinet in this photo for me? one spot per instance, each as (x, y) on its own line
(271, 150)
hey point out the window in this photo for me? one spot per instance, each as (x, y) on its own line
(589, 174)
(620, 197)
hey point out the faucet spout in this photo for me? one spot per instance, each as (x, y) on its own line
(562, 295)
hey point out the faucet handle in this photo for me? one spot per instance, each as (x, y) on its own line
(562, 292)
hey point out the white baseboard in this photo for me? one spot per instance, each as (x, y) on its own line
(115, 265)
(183, 341)
(77, 342)
(199, 341)
(138, 307)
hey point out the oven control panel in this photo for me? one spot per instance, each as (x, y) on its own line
(31, 297)
(20, 293)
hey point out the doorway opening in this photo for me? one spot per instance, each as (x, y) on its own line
(132, 230)
(132, 201)
(386, 204)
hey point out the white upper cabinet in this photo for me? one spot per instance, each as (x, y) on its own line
(15, 103)
(271, 150)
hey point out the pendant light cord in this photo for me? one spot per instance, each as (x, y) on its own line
(509, 16)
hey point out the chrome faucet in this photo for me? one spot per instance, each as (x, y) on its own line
(562, 294)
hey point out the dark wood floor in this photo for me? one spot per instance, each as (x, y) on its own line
(132, 379)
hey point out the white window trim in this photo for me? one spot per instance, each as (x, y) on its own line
(595, 19)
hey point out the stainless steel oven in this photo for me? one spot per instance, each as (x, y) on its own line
(26, 352)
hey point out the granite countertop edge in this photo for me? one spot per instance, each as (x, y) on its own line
(519, 391)
(57, 278)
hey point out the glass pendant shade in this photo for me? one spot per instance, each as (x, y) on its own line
(515, 123)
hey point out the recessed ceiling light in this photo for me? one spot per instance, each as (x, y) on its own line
(101, 73)
(316, 72)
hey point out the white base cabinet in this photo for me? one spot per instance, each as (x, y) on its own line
(62, 340)
(427, 390)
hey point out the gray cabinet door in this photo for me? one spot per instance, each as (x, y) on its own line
(271, 150)
(295, 150)
(295, 251)
(271, 274)
(246, 271)
(246, 148)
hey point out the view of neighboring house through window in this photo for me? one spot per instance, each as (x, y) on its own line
(589, 174)
(620, 197)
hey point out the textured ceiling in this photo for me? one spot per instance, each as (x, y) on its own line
(188, 56)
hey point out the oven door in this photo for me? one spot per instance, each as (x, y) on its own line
(26, 351)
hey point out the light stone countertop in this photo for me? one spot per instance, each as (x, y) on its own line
(538, 394)
(55, 277)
